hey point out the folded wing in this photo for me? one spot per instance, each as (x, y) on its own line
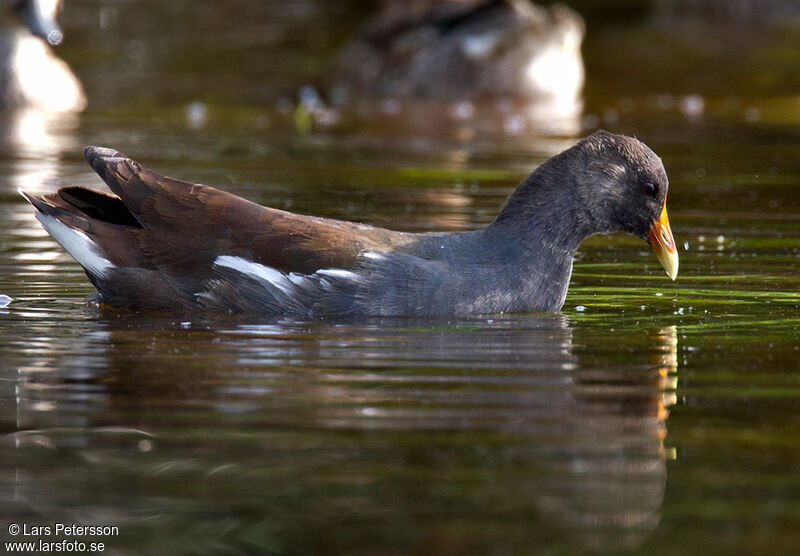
(157, 242)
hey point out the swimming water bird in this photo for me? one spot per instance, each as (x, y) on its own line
(161, 243)
(454, 50)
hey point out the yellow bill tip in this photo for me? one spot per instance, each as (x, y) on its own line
(663, 244)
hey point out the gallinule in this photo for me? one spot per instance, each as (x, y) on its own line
(161, 243)
(452, 50)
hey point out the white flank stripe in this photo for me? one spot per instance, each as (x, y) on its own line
(339, 273)
(257, 271)
(299, 279)
(84, 250)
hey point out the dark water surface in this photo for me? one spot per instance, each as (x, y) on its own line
(650, 417)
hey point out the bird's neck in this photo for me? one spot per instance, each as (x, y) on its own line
(535, 237)
(549, 218)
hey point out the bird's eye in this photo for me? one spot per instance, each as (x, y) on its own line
(650, 188)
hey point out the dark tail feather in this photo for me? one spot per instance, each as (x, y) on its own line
(99, 206)
(84, 203)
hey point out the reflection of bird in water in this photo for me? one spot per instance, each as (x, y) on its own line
(31, 76)
(498, 416)
(606, 483)
(467, 49)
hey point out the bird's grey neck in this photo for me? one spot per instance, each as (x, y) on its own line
(537, 235)
(537, 266)
(547, 216)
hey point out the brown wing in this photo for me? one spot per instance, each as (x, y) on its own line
(182, 227)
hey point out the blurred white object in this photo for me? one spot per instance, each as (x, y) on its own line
(31, 75)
